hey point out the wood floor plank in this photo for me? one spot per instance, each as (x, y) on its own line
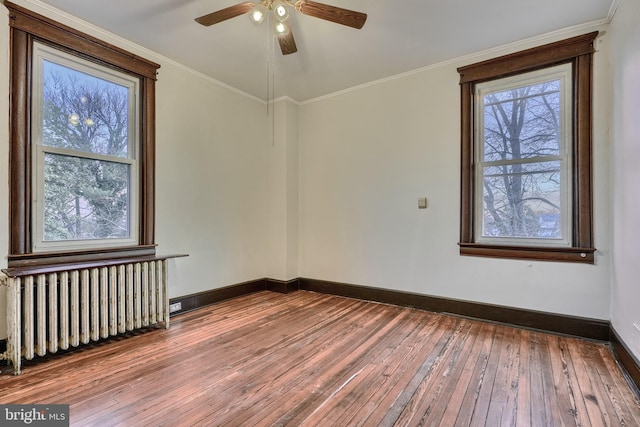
(324, 355)
(614, 384)
(484, 344)
(402, 404)
(602, 386)
(540, 410)
(453, 415)
(281, 369)
(281, 372)
(337, 376)
(523, 415)
(434, 396)
(596, 408)
(407, 365)
(487, 378)
(374, 382)
(502, 407)
(550, 391)
(581, 412)
(564, 396)
(370, 388)
(308, 359)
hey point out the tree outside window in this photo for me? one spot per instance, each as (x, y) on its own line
(523, 157)
(84, 198)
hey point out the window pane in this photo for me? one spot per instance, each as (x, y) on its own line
(83, 112)
(523, 122)
(522, 200)
(85, 199)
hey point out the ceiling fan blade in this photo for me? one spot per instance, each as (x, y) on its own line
(335, 14)
(287, 42)
(226, 13)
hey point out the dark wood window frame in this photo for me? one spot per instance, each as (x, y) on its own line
(577, 51)
(25, 28)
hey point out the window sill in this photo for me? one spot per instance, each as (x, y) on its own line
(53, 258)
(579, 255)
(41, 268)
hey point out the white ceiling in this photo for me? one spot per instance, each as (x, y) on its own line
(398, 37)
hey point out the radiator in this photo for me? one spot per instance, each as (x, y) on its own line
(48, 312)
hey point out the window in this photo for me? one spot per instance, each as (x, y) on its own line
(523, 157)
(526, 154)
(82, 148)
(85, 166)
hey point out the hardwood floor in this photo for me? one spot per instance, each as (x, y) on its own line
(319, 360)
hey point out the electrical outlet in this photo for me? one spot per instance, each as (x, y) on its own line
(177, 306)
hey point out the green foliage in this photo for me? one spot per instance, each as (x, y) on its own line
(86, 188)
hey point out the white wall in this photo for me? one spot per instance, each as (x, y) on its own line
(212, 160)
(213, 154)
(281, 212)
(368, 154)
(624, 33)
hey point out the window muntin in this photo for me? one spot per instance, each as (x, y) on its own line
(523, 137)
(85, 153)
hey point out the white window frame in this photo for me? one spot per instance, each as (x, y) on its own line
(564, 74)
(41, 53)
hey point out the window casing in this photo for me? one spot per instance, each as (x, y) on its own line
(554, 220)
(34, 37)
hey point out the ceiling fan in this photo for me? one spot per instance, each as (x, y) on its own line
(279, 9)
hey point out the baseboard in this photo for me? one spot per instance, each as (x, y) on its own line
(282, 286)
(558, 323)
(630, 364)
(212, 296)
(202, 299)
(562, 324)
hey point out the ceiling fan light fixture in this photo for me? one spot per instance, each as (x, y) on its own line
(281, 29)
(256, 15)
(280, 10)
(258, 10)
